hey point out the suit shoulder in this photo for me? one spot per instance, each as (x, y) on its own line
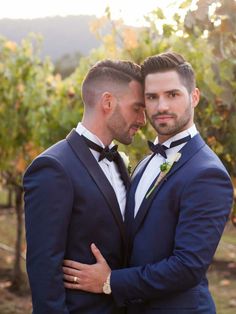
(210, 160)
(56, 150)
(52, 157)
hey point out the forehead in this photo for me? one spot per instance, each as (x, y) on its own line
(133, 90)
(163, 81)
(132, 95)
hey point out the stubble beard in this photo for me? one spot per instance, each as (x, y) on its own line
(176, 126)
(118, 128)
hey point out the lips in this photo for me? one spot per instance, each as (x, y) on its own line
(163, 118)
(134, 129)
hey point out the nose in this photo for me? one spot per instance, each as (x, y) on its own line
(162, 104)
(142, 118)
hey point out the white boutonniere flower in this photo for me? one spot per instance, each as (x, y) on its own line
(165, 168)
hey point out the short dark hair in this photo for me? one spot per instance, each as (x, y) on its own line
(170, 61)
(110, 72)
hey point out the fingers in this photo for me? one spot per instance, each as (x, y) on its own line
(97, 254)
(75, 283)
(73, 279)
(73, 286)
(71, 274)
(71, 271)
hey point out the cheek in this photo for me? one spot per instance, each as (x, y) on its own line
(130, 117)
(133, 117)
(177, 107)
(127, 119)
(150, 109)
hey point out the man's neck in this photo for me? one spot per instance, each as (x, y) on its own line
(190, 129)
(97, 129)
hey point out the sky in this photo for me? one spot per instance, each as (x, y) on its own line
(131, 12)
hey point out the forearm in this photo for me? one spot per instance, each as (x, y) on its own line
(152, 281)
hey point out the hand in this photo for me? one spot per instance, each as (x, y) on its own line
(86, 277)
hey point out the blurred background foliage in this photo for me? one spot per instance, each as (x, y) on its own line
(40, 102)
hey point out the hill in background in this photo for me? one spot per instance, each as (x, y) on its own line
(62, 35)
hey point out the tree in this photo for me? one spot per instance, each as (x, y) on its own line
(19, 69)
(216, 20)
(32, 102)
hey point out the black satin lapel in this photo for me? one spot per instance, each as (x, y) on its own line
(190, 149)
(83, 153)
(123, 171)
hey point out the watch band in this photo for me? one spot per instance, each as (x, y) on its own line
(107, 286)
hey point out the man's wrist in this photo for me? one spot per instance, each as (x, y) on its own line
(107, 285)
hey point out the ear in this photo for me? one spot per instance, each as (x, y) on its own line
(106, 102)
(195, 97)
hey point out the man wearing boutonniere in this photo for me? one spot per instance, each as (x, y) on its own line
(75, 191)
(178, 204)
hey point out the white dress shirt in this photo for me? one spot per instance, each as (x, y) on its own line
(153, 168)
(110, 169)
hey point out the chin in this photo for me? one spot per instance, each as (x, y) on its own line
(126, 141)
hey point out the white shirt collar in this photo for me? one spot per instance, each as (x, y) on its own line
(82, 130)
(192, 131)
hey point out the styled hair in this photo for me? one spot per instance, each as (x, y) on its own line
(170, 61)
(109, 74)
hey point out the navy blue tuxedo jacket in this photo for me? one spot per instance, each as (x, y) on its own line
(174, 236)
(69, 203)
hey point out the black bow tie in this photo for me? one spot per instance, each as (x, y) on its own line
(106, 152)
(160, 149)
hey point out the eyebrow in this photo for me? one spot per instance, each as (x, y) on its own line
(166, 92)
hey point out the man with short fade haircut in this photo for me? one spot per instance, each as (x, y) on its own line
(75, 191)
(178, 204)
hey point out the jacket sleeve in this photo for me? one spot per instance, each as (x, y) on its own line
(204, 207)
(48, 205)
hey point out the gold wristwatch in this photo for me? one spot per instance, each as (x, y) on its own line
(106, 286)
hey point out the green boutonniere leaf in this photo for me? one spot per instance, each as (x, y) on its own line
(164, 166)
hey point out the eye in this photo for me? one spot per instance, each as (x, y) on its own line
(150, 97)
(172, 94)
